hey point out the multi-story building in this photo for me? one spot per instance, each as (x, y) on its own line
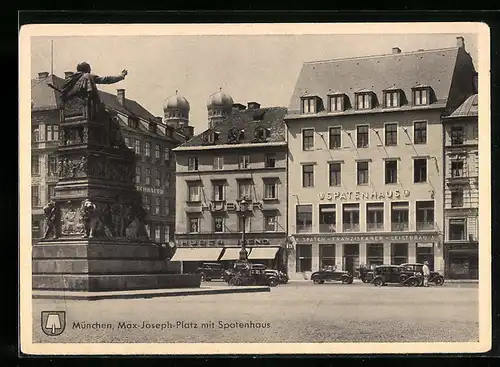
(365, 169)
(231, 186)
(150, 138)
(461, 191)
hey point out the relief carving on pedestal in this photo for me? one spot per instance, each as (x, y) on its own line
(71, 222)
(73, 168)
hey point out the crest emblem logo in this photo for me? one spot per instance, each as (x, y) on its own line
(53, 322)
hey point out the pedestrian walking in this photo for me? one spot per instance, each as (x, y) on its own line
(427, 273)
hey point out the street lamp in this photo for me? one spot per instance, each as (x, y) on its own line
(243, 209)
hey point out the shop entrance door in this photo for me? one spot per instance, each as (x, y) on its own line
(351, 257)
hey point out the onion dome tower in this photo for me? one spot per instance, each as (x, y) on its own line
(176, 111)
(219, 106)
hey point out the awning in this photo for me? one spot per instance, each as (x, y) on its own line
(263, 253)
(231, 253)
(196, 254)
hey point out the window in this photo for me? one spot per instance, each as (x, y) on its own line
(421, 96)
(392, 99)
(52, 165)
(303, 259)
(133, 123)
(374, 216)
(362, 136)
(420, 170)
(127, 141)
(147, 149)
(335, 141)
(391, 134)
(244, 161)
(327, 218)
(157, 233)
(157, 151)
(307, 175)
(52, 132)
(336, 103)
(308, 105)
(391, 172)
(166, 154)
(271, 190)
(158, 178)
(350, 217)
(218, 163)
(219, 192)
(420, 132)
(399, 253)
(362, 173)
(35, 133)
(194, 225)
(137, 146)
(166, 233)
(457, 135)
(475, 131)
(335, 174)
(168, 177)
(303, 217)
(166, 207)
(147, 202)
(457, 198)
(244, 190)
(148, 176)
(138, 175)
(363, 101)
(425, 215)
(374, 254)
(35, 165)
(193, 193)
(270, 160)
(457, 169)
(457, 229)
(35, 195)
(51, 190)
(218, 224)
(399, 216)
(308, 139)
(270, 223)
(246, 222)
(193, 164)
(326, 256)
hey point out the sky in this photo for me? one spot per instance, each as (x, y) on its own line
(261, 68)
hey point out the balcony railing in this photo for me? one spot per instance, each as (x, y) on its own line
(327, 228)
(399, 227)
(304, 228)
(351, 227)
(425, 226)
(374, 226)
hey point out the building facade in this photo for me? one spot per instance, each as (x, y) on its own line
(461, 191)
(231, 187)
(365, 167)
(150, 138)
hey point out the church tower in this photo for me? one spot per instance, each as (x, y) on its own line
(176, 111)
(219, 106)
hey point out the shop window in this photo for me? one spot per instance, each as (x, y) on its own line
(457, 229)
(326, 256)
(303, 218)
(350, 217)
(399, 216)
(304, 258)
(327, 218)
(425, 215)
(375, 216)
(399, 253)
(374, 254)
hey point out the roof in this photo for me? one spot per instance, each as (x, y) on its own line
(466, 109)
(377, 73)
(248, 120)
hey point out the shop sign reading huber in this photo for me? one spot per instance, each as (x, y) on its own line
(363, 238)
(357, 195)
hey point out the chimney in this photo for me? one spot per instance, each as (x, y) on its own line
(120, 96)
(460, 42)
(43, 75)
(159, 120)
(253, 105)
(68, 74)
(238, 107)
(396, 50)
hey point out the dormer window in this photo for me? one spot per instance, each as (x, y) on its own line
(152, 127)
(421, 95)
(133, 123)
(262, 134)
(392, 98)
(336, 102)
(364, 100)
(213, 137)
(309, 104)
(235, 135)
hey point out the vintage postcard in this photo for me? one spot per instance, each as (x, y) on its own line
(255, 189)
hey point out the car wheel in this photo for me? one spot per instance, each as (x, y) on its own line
(412, 283)
(346, 280)
(273, 282)
(378, 282)
(208, 279)
(439, 281)
(317, 280)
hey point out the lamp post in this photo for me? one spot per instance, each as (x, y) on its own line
(243, 251)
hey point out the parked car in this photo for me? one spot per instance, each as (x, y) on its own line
(331, 274)
(246, 273)
(435, 277)
(282, 277)
(209, 271)
(385, 274)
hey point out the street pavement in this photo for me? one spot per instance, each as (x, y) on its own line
(296, 312)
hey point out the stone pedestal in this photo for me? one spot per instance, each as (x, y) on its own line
(97, 239)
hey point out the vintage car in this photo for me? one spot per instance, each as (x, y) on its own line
(435, 277)
(246, 273)
(385, 274)
(330, 274)
(209, 271)
(282, 277)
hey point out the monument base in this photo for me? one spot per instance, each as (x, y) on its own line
(88, 264)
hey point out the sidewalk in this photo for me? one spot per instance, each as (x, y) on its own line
(146, 293)
(463, 281)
